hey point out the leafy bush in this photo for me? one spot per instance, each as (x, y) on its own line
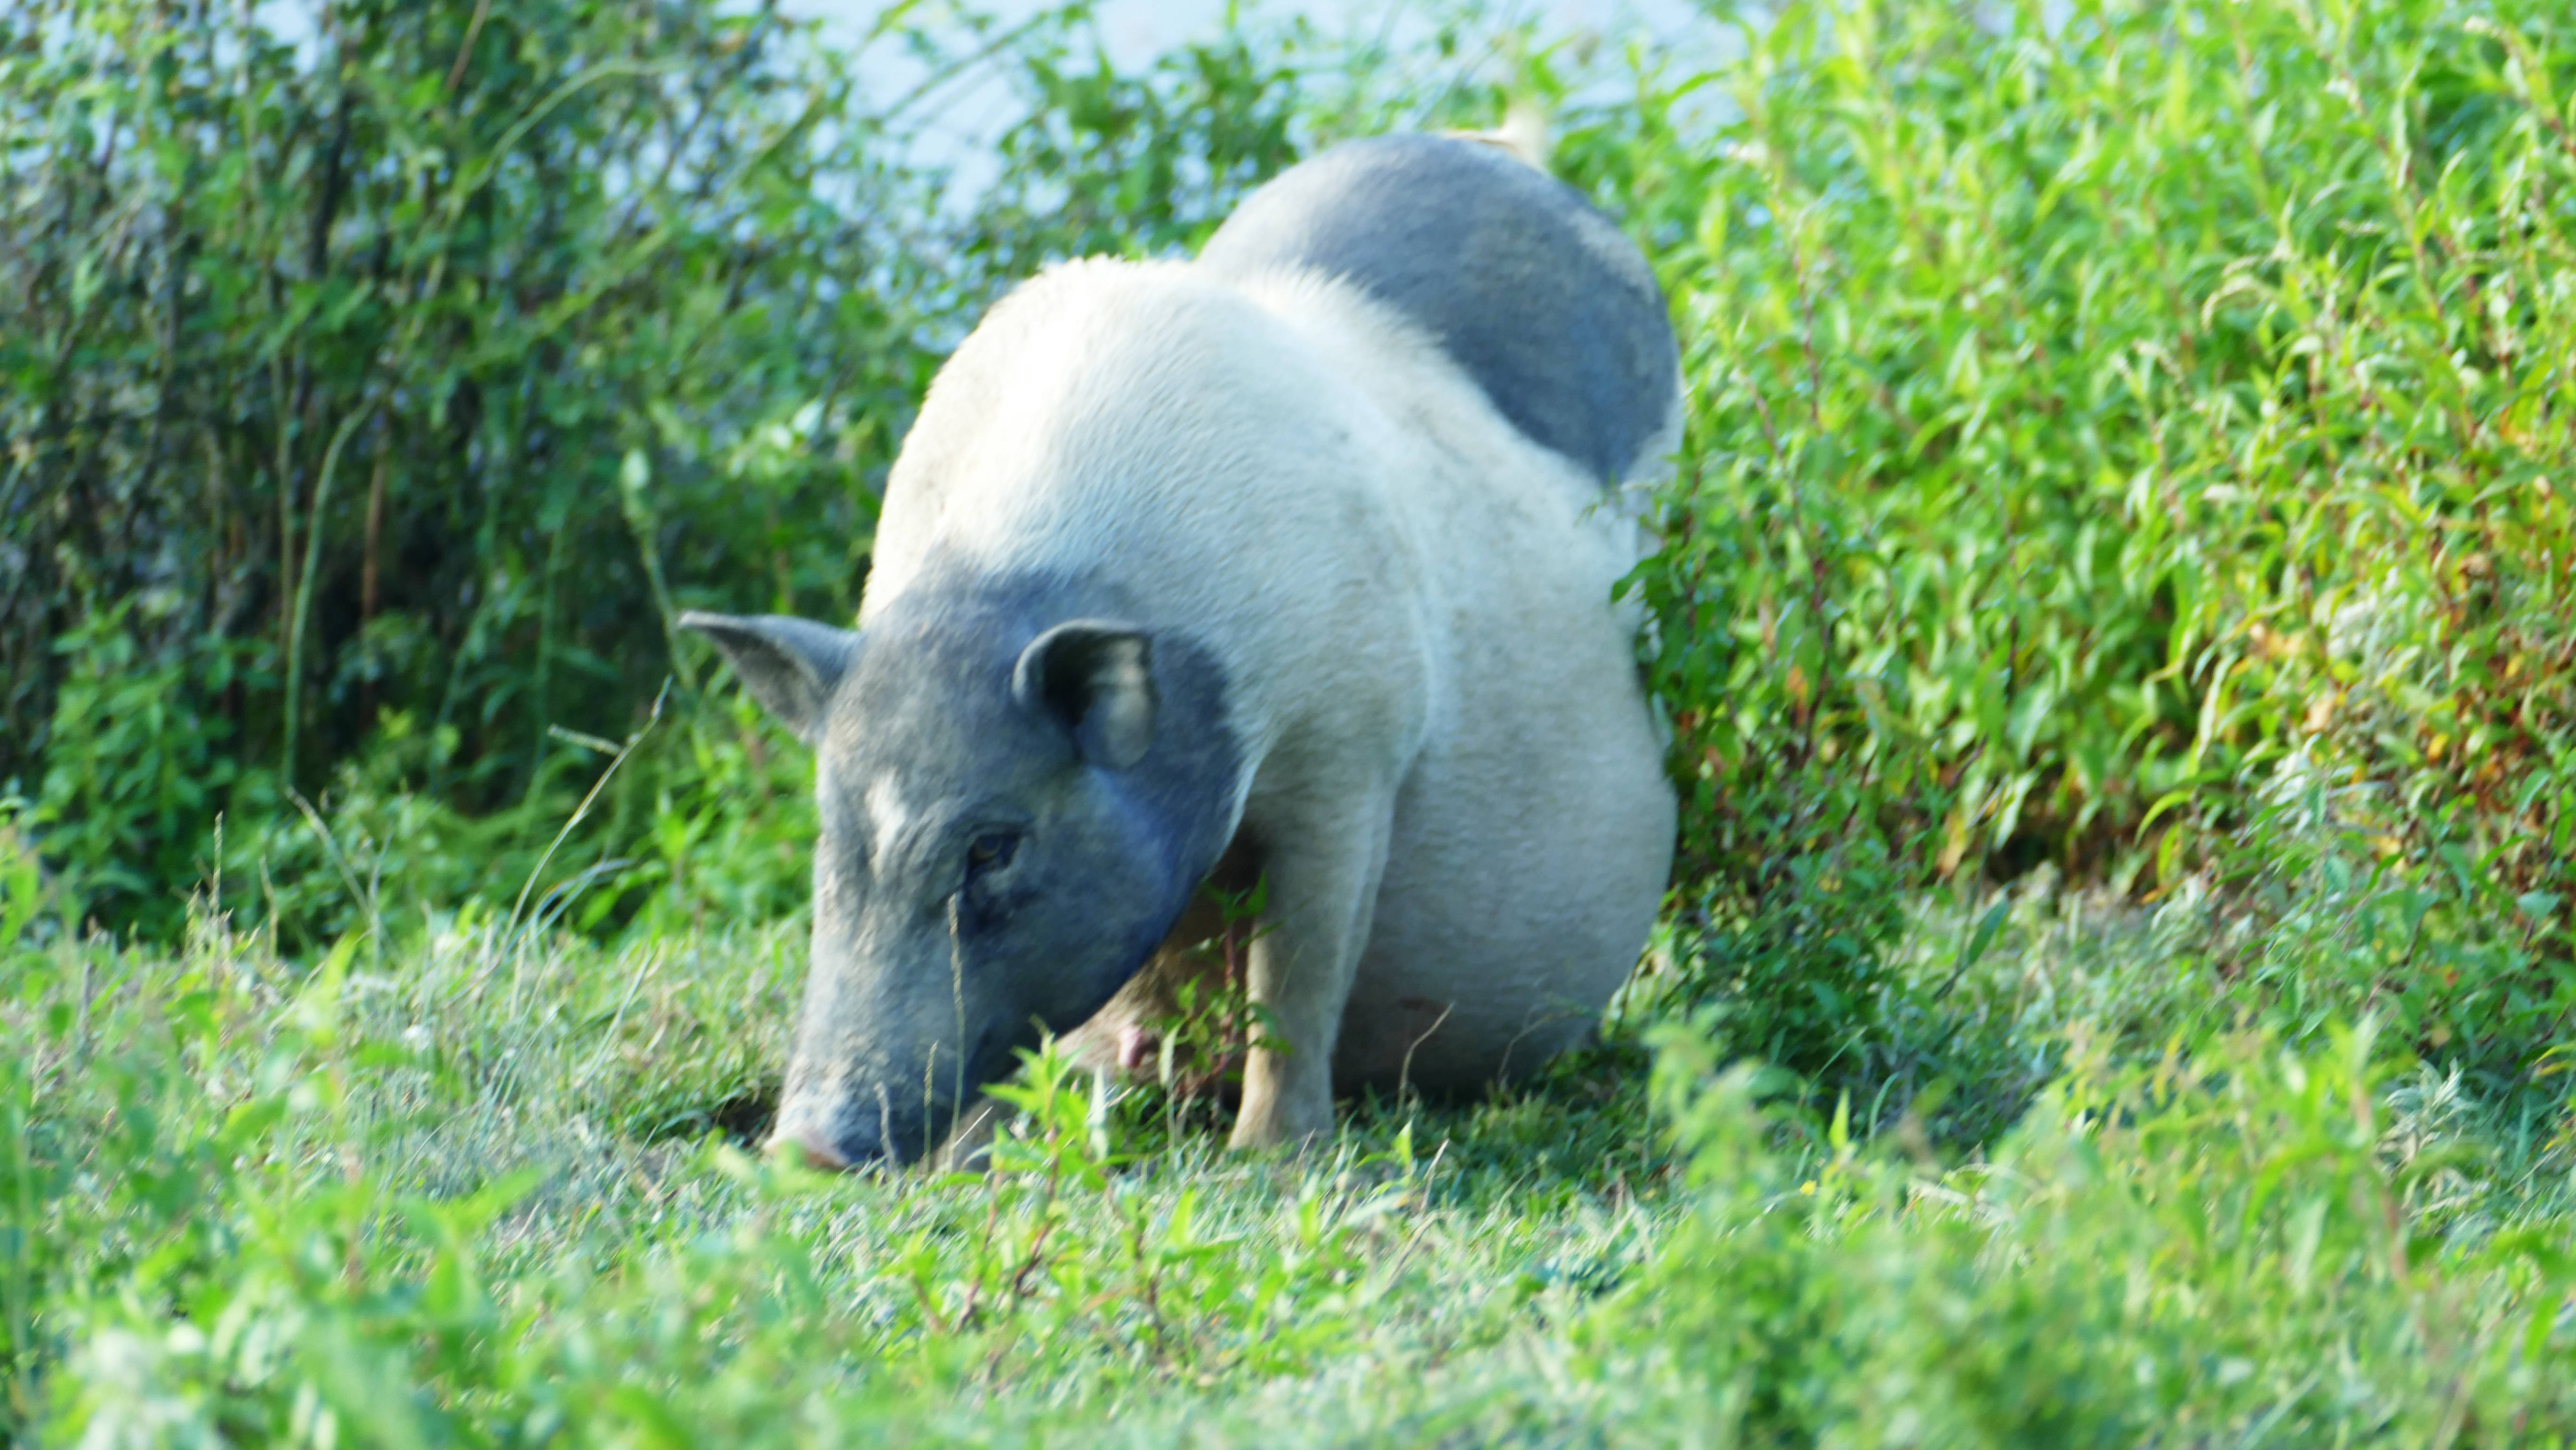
(2102, 432)
(422, 371)
(417, 367)
(138, 762)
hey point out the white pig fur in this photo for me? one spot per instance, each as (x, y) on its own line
(1448, 761)
(1293, 561)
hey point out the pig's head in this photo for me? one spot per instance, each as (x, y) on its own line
(1016, 807)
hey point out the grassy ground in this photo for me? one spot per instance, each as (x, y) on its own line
(484, 1191)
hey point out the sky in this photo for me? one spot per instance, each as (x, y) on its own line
(957, 129)
(1137, 30)
(969, 115)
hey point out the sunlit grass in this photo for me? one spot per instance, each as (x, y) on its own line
(472, 1199)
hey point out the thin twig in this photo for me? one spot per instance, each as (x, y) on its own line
(465, 52)
(303, 604)
(510, 924)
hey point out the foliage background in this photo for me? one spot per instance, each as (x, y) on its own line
(2115, 617)
(373, 405)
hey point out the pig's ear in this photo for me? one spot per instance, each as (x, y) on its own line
(791, 666)
(1097, 679)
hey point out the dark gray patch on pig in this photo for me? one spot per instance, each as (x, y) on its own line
(937, 674)
(1109, 858)
(1533, 292)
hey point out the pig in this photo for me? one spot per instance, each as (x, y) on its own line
(1296, 562)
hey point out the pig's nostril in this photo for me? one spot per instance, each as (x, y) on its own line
(813, 1151)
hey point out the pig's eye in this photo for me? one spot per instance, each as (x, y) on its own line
(991, 851)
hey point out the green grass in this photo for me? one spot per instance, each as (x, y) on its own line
(471, 1195)
(493, 1150)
